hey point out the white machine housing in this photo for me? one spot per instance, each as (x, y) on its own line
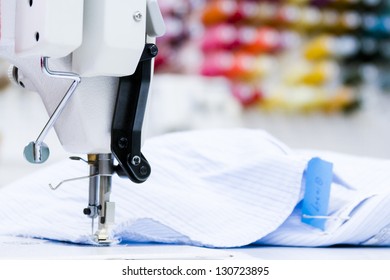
(114, 38)
(46, 27)
(100, 40)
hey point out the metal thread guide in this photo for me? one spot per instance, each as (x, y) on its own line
(37, 151)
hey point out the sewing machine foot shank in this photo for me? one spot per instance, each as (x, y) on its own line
(100, 206)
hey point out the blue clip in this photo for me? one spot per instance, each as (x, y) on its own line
(319, 175)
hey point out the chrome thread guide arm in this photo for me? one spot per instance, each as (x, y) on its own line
(37, 151)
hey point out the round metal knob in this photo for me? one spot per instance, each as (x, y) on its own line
(36, 153)
(16, 76)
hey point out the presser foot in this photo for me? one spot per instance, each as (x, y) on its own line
(102, 237)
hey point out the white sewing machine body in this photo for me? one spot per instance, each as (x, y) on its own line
(93, 38)
(93, 60)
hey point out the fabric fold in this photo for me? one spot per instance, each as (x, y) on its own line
(224, 188)
(364, 198)
(220, 188)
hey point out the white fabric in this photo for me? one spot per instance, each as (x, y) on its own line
(367, 204)
(209, 188)
(212, 188)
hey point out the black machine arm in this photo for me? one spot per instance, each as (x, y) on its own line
(128, 119)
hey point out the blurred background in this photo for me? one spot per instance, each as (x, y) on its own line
(314, 73)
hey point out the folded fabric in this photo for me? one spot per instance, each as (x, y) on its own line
(367, 207)
(221, 188)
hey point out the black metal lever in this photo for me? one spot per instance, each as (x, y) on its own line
(128, 119)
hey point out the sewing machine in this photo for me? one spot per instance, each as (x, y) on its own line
(101, 52)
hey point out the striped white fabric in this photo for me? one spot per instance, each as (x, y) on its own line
(224, 188)
(367, 203)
